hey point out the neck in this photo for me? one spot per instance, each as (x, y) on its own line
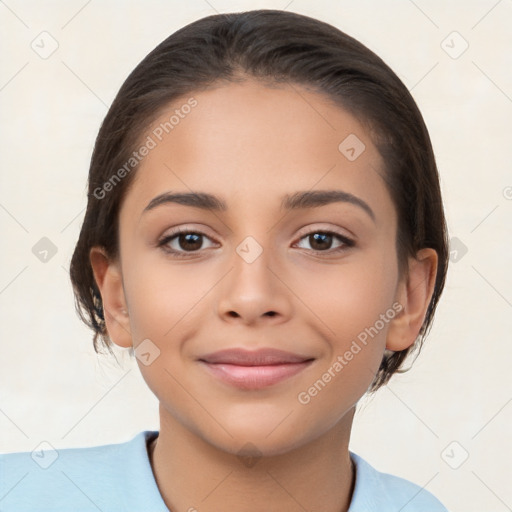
(192, 474)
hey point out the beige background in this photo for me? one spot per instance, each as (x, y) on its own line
(55, 388)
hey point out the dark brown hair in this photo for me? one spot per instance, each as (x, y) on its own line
(274, 47)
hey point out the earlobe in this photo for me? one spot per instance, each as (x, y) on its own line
(414, 294)
(108, 277)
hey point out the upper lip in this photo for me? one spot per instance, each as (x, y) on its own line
(261, 357)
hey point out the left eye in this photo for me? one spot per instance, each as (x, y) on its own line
(321, 241)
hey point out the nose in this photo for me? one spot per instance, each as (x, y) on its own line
(254, 292)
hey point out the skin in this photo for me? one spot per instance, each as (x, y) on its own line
(250, 144)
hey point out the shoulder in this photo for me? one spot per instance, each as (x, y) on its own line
(383, 492)
(108, 478)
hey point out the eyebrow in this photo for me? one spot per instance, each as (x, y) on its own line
(298, 200)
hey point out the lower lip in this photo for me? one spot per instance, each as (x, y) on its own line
(255, 377)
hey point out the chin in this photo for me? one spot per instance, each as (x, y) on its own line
(259, 448)
(262, 439)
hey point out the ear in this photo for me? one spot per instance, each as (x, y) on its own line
(413, 294)
(109, 280)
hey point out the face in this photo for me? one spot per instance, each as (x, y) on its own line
(318, 279)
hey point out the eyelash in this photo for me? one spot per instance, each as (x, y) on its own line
(347, 242)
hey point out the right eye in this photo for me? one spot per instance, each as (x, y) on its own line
(182, 241)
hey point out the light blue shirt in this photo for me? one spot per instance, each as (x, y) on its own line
(118, 477)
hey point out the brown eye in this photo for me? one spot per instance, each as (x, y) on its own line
(183, 241)
(190, 241)
(322, 241)
(319, 241)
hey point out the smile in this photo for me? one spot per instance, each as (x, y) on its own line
(254, 369)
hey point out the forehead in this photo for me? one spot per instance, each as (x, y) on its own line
(252, 143)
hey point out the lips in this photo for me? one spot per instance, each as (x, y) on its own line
(252, 370)
(261, 357)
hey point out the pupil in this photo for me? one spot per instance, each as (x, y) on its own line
(187, 241)
(321, 237)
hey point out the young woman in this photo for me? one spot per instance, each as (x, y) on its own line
(265, 231)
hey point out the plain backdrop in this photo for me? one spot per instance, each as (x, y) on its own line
(446, 423)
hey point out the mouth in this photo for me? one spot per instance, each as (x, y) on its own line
(252, 370)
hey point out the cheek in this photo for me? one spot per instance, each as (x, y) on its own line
(352, 306)
(166, 301)
(349, 296)
(163, 296)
